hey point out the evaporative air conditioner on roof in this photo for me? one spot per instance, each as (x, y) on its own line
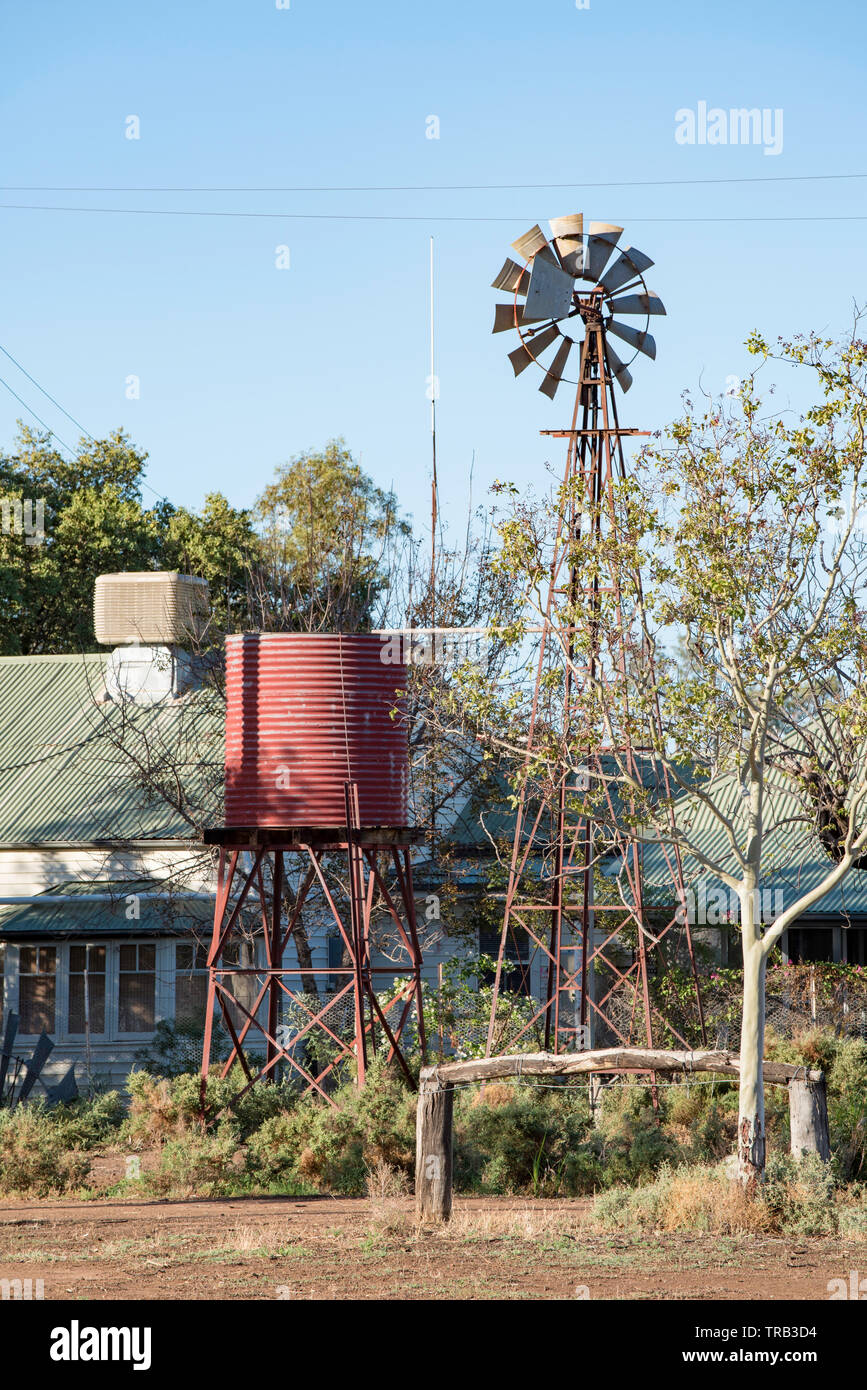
(150, 606)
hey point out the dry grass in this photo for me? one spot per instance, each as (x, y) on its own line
(387, 1189)
(529, 1224)
(714, 1205)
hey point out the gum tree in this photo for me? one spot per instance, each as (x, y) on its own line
(734, 656)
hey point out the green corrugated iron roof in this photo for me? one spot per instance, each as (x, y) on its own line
(793, 858)
(63, 777)
(171, 916)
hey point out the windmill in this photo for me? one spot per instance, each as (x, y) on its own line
(568, 296)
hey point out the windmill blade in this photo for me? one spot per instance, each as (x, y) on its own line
(629, 263)
(513, 316)
(8, 1039)
(554, 374)
(618, 369)
(532, 349)
(603, 239)
(41, 1053)
(568, 234)
(649, 303)
(534, 243)
(65, 1090)
(636, 338)
(550, 292)
(513, 278)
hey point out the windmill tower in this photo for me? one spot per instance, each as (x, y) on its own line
(568, 294)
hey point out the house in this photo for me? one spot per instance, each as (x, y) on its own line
(105, 891)
(794, 862)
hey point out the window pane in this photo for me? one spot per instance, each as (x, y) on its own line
(27, 959)
(515, 977)
(86, 995)
(191, 997)
(36, 1002)
(128, 957)
(95, 1003)
(146, 957)
(183, 957)
(135, 1004)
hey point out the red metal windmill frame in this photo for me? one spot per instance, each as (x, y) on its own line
(568, 1010)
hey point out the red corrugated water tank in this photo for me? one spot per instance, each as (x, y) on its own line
(306, 712)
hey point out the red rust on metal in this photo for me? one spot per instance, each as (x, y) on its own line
(306, 713)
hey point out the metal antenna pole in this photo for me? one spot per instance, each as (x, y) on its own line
(433, 436)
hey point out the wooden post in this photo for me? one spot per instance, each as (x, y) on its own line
(433, 1149)
(808, 1118)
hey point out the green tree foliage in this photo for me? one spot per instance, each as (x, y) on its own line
(331, 538)
(95, 523)
(740, 536)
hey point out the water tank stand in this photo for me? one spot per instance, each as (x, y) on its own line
(326, 1026)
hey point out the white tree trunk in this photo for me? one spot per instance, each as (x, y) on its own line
(751, 1117)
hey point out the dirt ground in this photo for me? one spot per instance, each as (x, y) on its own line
(345, 1248)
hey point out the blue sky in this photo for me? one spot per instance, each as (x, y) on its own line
(242, 364)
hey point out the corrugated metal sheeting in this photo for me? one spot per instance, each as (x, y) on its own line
(305, 713)
(170, 915)
(793, 859)
(63, 777)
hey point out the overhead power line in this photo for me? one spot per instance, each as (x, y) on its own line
(394, 217)
(419, 187)
(47, 396)
(36, 417)
(63, 411)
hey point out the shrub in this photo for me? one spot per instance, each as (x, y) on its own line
(631, 1142)
(334, 1146)
(797, 1199)
(34, 1156)
(176, 1048)
(163, 1106)
(87, 1123)
(512, 1138)
(847, 1108)
(204, 1164)
(799, 1194)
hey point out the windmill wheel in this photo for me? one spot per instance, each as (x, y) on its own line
(547, 302)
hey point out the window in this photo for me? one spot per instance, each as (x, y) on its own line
(191, 982)
(136, 988)
(37, 988)
(2, 982)
(516, 968)
(806, 944)
(86, 990)
(335, 962)
(240, 955)
(855, 940)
